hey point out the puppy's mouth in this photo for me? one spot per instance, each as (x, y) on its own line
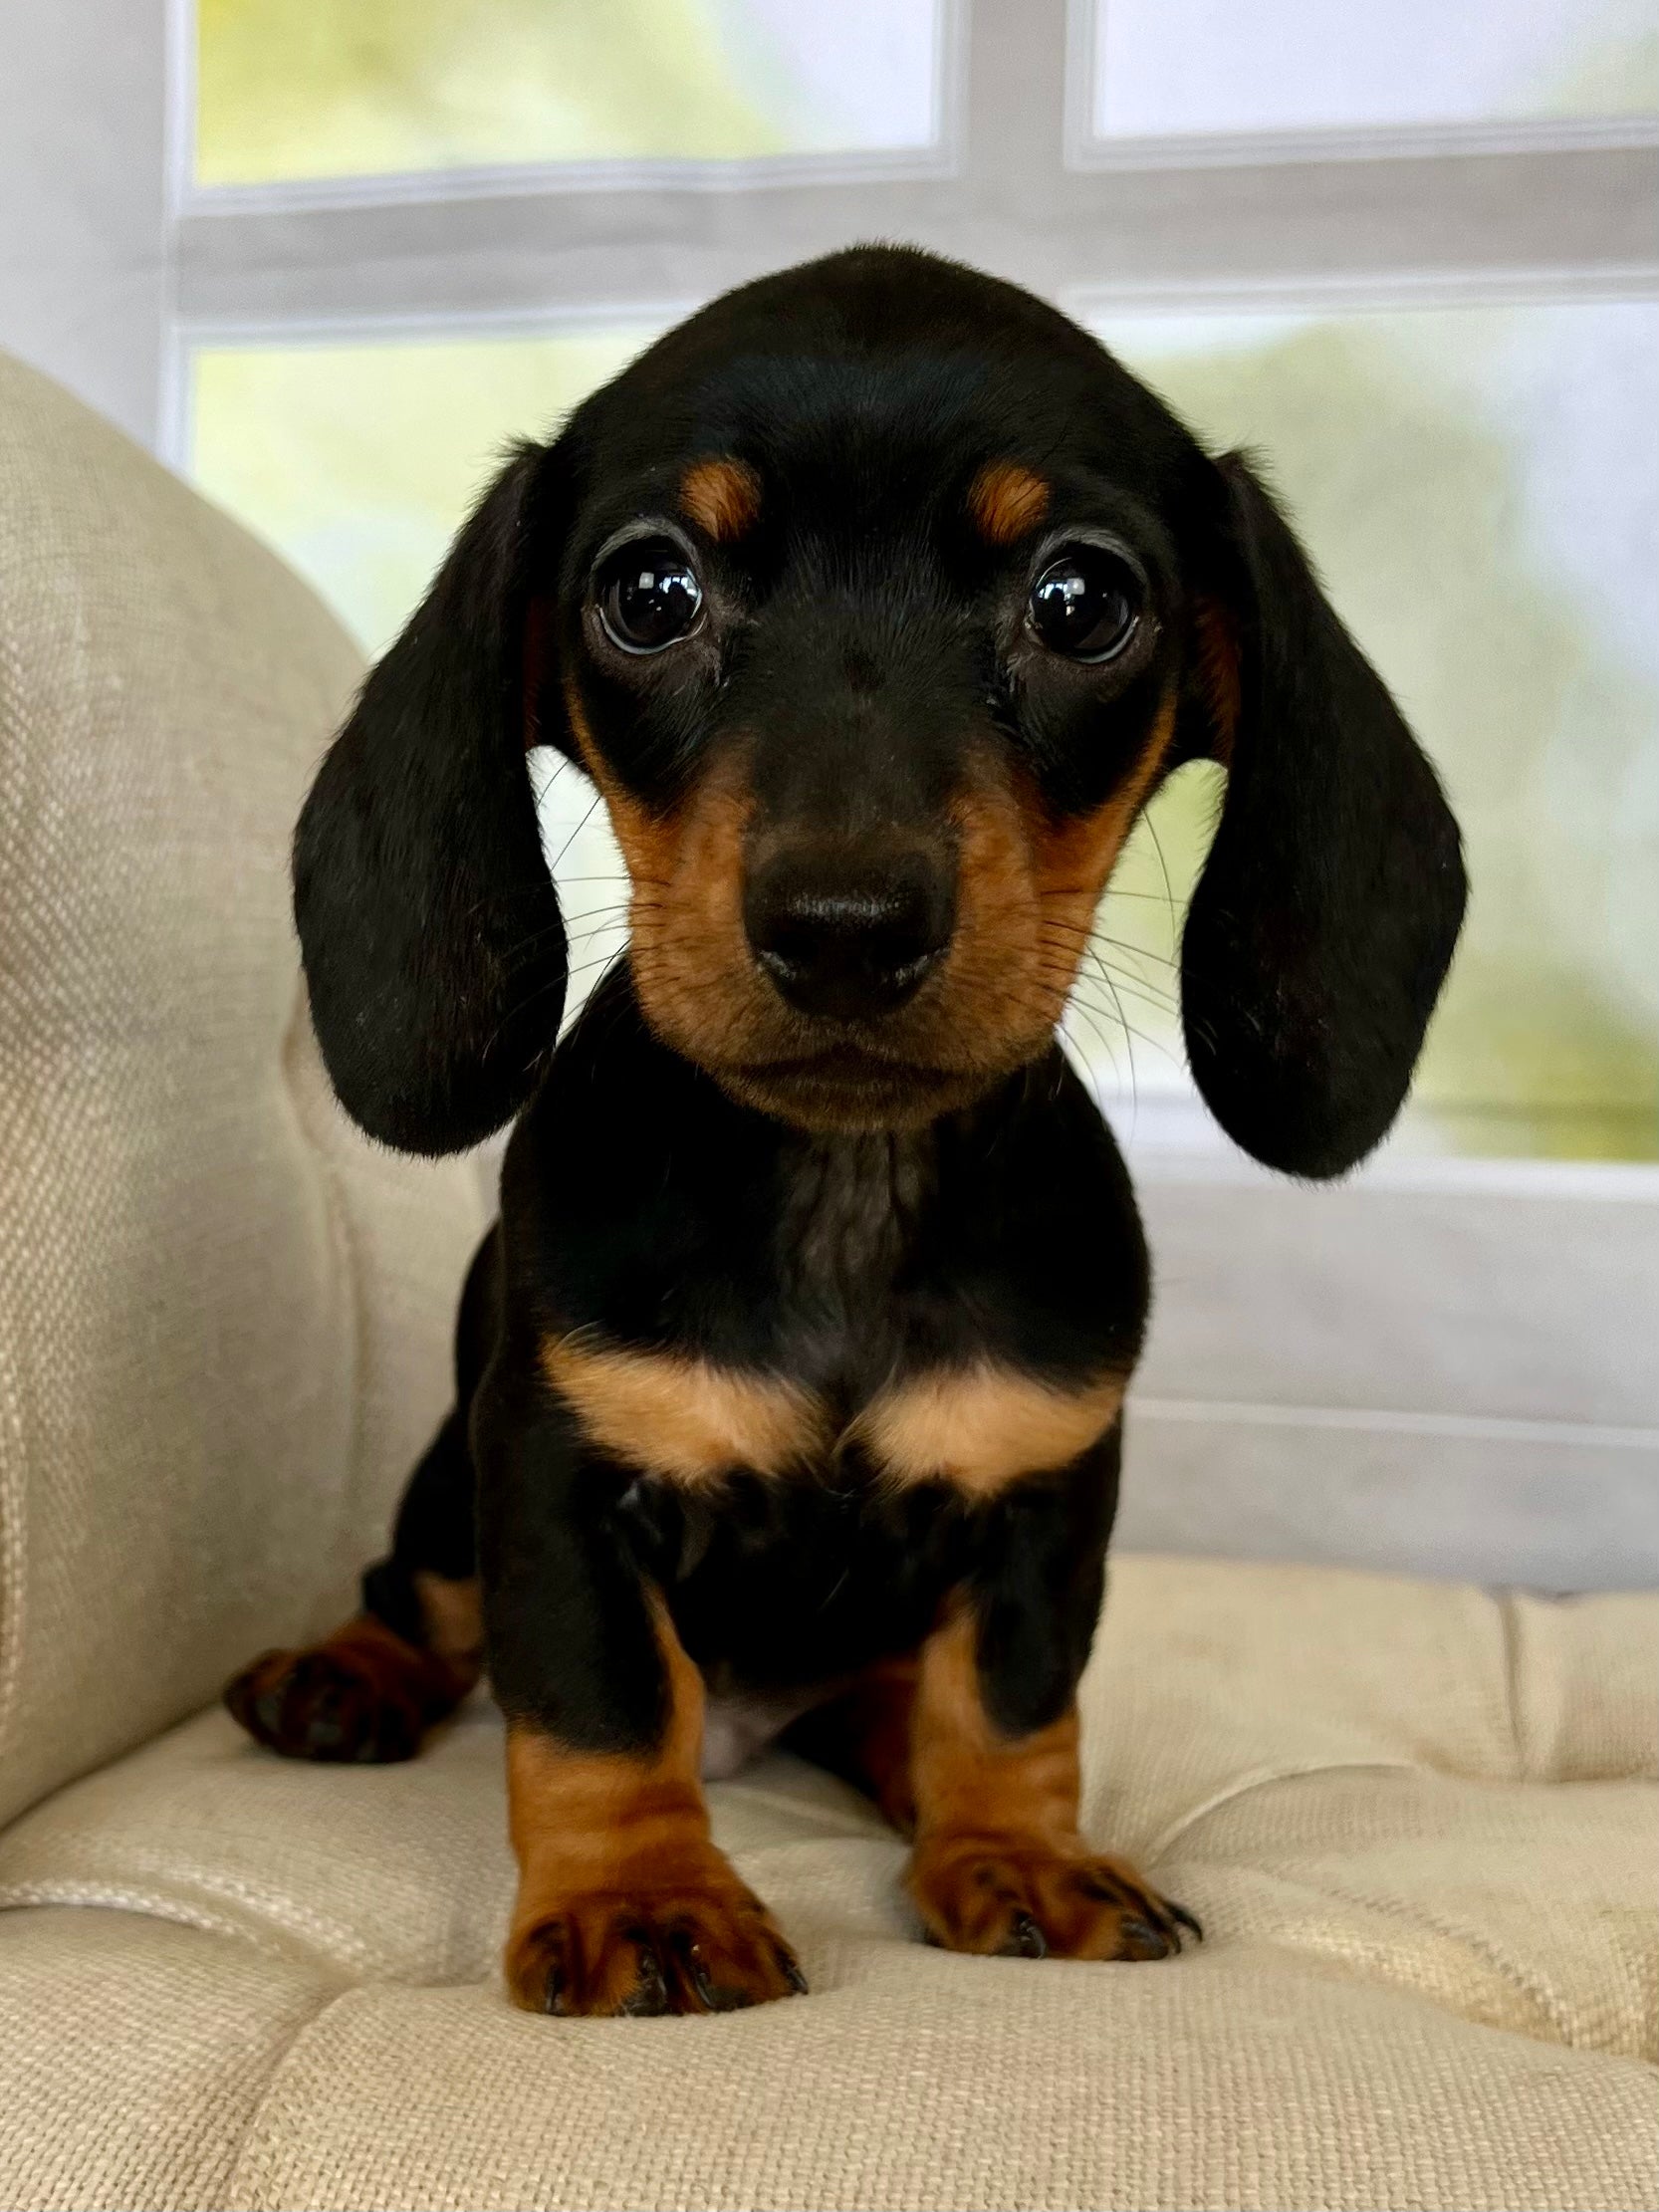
(849, 1087)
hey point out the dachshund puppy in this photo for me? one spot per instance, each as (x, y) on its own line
(876, 601)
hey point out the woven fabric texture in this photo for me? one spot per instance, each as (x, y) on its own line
(1421, 1824)
(223, 1320)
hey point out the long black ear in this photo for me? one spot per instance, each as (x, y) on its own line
(428, 922)
(1322, 927)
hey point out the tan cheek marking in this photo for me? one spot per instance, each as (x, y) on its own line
(722, 497)
(684, 1419)
(1075, 858)
(649, 843)
(690, 960)
(981, 1427)
(1007, 500)
(1028, 887)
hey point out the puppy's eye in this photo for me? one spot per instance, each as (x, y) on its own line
(1086, 603)
(648, 596)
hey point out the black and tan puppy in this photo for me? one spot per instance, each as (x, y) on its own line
(876, 599)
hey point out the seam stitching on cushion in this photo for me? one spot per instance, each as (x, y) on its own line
(13, 1526)
(331, 1936)
(114, 1897)
(1538, 1995)
(1259, 1778)
(1535, 1993)
(72, 689)
(1509, 1623)
(234, 2197)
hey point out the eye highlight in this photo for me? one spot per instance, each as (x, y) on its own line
(1088, 602)
(648, 596)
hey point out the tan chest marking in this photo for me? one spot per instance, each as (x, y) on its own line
(692, 1422)
(682, 1418)
(983, 1426)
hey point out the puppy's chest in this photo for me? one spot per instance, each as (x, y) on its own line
(855, 1355)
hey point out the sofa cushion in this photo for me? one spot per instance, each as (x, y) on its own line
(1420, 1823)
(919, 2082)
(134, 2055)
(224, 1318)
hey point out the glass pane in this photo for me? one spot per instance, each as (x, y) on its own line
(1480, 488)
(1173, 66)
(308, 89)
(358, 461)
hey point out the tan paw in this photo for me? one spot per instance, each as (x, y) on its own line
(363, 1696)
(1015, 1896)
(641, 1951)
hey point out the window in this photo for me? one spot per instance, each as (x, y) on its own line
(1459, 415)
(1482, 488)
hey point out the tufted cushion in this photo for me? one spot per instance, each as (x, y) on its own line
(1421, 1822)
(223, 1319)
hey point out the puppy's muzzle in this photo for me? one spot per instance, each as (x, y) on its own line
(847, 935)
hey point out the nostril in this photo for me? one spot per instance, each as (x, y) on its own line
(851, 951)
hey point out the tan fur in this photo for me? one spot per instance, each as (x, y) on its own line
(586, 1819)
(367, 1684)
(1028, 890)
(691, 1422)
(686, 945)
(997, 1863)
(618, 1875)
(722, 497)
(1027, 887)
(863, 1735)
(454, 1616)
(684, 1419)
(969, 1778)
(982, 1428)
(1007, 500)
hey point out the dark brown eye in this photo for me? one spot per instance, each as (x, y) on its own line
(1086, 603)
(648, 596)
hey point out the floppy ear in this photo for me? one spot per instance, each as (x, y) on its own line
(431, 930)
(1322, 927)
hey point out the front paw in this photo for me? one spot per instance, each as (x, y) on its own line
(702, 1948)
(1015, 1896)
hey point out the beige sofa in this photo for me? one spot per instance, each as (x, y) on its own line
(1420, 1822)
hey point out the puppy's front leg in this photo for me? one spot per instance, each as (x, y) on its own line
(624, 1904)
(998, 1864)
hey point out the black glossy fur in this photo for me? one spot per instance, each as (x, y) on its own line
(865, 637)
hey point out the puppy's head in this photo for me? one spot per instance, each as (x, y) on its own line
(876, 599)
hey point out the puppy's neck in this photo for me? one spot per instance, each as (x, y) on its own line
(853, 1207)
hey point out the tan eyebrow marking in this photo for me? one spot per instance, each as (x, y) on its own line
(1006, 500)
(686, 1419)
(722, 497)
(980, 1427)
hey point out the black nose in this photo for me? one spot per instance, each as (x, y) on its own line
(847, 937)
